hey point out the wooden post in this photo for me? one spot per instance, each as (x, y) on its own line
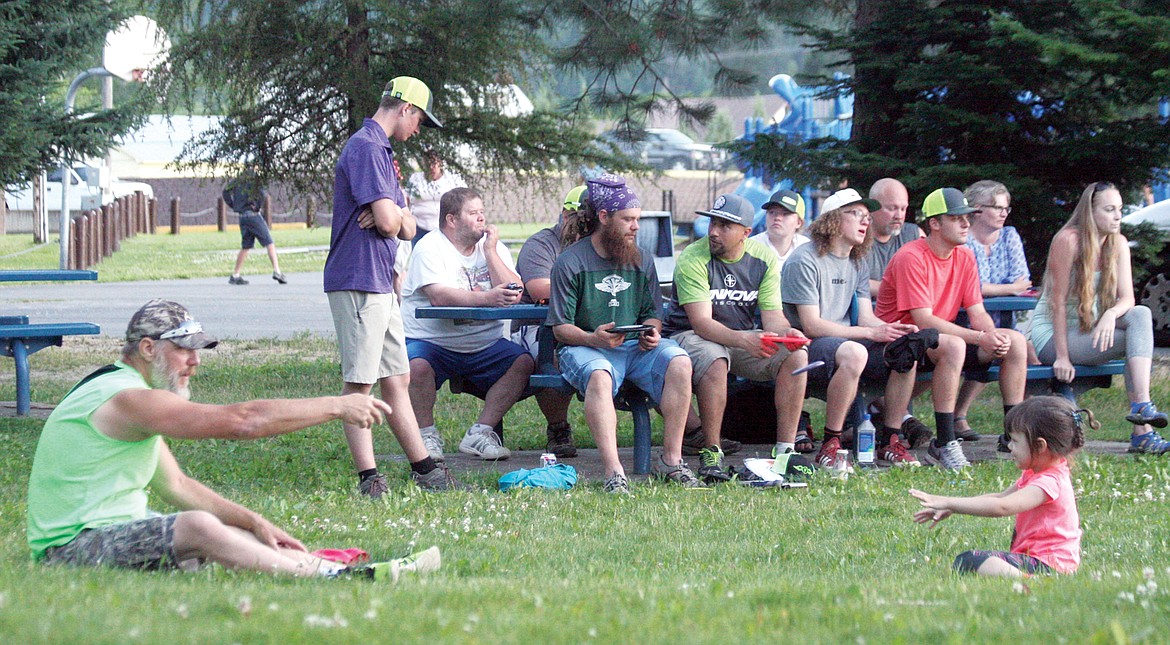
(107, 241)
(152, 214)
(92, 255)
(266, 210)
(175, 215)
(311, 213)
(38, 217)
(220, 214)
(78, 232)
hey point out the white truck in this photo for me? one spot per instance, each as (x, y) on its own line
(85, 190)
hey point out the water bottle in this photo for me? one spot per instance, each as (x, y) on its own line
(865, 442)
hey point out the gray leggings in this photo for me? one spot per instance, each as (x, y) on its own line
(1134, 337)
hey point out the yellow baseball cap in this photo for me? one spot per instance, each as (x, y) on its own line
(574, 198)
(416, 93)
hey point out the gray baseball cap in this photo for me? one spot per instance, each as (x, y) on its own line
(166, 320)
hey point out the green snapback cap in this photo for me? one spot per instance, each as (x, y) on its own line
(416, 93)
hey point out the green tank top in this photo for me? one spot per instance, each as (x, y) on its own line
(81, 478)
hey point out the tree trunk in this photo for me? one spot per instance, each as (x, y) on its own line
(357, 51)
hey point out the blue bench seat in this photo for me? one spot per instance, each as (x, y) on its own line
(18, 339)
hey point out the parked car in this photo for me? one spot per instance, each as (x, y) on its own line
(667, 149)
(1155, 293)
(84, 190)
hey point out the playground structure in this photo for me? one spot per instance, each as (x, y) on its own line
(811, 116)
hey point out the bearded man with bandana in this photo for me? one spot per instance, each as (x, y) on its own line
(600, 284)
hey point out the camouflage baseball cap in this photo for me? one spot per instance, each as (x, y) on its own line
(166, 320)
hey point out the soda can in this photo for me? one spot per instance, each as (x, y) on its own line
(841, 464)
(548, 459)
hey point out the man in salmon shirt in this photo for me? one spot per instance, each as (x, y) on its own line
(926, 283)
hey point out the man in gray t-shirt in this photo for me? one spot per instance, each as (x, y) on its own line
(889, 229)
(819, 284)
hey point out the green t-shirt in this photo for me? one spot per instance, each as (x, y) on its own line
(589, 291)
(81, 478)
(737, 290)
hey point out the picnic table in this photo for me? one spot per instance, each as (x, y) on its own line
(19, 338)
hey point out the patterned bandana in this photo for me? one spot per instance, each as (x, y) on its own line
(610, 193)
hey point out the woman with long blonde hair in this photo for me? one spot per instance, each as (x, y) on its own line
(1089, 277)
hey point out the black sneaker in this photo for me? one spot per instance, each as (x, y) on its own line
(917, 433)
(235, 279)
(560, 440)
(279, 277)
(694, 441)
(711, 466)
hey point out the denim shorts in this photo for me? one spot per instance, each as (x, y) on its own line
(253, 228)
(647, 370)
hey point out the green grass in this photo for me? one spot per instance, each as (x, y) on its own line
(838, 562)
(195, 254)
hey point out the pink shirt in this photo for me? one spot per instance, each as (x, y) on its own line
(1050, 532)
(916, 278)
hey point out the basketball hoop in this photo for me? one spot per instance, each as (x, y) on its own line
(134, 48)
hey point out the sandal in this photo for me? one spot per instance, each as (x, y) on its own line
(804, 442)
(966, 435)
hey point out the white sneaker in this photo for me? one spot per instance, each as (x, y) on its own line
(484, 444)
(433, 443)
(949, 457)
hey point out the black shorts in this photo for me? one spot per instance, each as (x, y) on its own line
(253, 228)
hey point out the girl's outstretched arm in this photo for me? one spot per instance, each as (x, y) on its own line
(1010, 502)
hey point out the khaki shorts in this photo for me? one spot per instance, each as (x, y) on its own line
(369, 335)
(704, 352)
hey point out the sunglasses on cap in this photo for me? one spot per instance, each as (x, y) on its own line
(187, 328)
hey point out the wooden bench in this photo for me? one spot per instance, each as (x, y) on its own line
(18, 339)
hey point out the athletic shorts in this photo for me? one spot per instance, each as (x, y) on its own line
(483, 368)
(140, 544)
(970, 561)
(369, 335)
(825, 349)
(647, 370)
(253, 228)
(704, 353)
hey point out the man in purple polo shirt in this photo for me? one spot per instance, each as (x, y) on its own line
(369, 217)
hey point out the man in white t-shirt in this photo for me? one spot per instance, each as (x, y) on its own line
(464, 265)
(785, 219)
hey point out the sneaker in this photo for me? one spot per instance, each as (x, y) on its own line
(560, 440)
(279, 277)
(897, 454)
(439, 479)
(950, 456)
(433, 443)
(967, 434)
(374, 487)
(680, 474)
(828, 452)
(694, 441)
(917, 433)
(1148, 414)
(617, 483)
(484, 444)
(417, 563)
(235, 279)
(1150, 443)
(711, 466)
(1001, 444)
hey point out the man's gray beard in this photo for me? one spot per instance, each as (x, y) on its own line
(159, 374)
(620, 251)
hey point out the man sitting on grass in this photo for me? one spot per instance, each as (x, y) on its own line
(103, 446)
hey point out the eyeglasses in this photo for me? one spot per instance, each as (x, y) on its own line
(860, 214)
(1006, 210)
(188, 328)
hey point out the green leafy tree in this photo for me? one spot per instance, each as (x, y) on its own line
(43, 46)
(294, 80)
(1043, 96)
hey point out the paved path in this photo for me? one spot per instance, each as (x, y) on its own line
(262, 309)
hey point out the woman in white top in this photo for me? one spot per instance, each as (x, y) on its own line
(425, 188)
(1090, 280)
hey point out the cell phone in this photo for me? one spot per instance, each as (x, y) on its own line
(512, 286)
(629, 329)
